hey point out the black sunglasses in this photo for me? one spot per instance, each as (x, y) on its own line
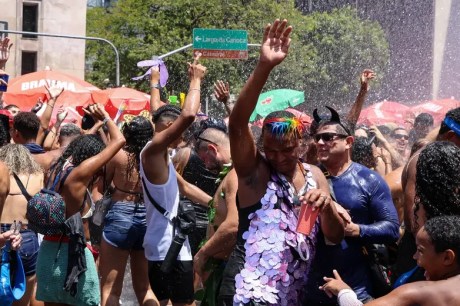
(400, 136)
(326, 137)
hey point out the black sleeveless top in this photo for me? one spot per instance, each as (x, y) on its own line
(195, 173)
(236, 261)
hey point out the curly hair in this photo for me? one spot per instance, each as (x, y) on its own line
(137, 133)
(5, 137)
(19, 160)
(28, 124)
(79, 150)
(437, 185)
(361, 152)
(444, 233)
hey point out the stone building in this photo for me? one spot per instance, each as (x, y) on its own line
(33, 53)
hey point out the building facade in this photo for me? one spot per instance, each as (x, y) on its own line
(33, 53)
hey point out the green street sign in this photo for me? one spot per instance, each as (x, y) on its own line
(215, 43)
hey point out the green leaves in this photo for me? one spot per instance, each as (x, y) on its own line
(328, 50)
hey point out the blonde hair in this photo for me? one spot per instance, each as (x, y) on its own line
(18, 159)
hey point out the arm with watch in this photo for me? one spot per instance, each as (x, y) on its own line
(155, 101)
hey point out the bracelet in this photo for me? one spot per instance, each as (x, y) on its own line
(197, 89)
(52, 106)
(156, 86)
(104, 122)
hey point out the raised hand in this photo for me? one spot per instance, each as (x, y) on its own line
(275, 44)
(222, 91)
(195, 70)
(97, 111)
(366, 76)
(155, 75)
(61, 115)
(5, 46)
(38, 106)
(54, 91)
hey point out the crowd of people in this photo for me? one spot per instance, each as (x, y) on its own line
(228, 213)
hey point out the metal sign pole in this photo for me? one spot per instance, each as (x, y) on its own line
(117, 56)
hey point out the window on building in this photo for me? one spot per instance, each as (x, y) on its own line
(28, 62)
(30, 19)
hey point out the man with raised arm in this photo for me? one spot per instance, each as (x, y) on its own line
(271, 259)
(163, 185)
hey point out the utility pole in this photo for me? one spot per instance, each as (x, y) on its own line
(117, 56)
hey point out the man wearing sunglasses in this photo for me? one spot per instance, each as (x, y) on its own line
(367, 198)
(400, 138)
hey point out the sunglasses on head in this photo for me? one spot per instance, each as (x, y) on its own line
(400, 136)
(328, 136)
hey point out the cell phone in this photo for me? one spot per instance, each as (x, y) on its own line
(5, 78)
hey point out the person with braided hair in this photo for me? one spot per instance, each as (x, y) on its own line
(125, 223)
(77, 168)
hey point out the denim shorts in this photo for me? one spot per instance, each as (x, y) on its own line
(28, 250)
(125, 225)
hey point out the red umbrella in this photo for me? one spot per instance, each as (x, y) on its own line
(124, 102)
(301, 115)
(384, 112)
(437, 108)
(25, 90)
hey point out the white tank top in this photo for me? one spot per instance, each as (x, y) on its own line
(159, 233)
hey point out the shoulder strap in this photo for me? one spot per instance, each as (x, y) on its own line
(21, 186)
(160, 209)
(328, 178)
(57, 178)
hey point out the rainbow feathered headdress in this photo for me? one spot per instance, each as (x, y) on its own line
(285, 127)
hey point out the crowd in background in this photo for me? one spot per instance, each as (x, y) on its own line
(229, 213)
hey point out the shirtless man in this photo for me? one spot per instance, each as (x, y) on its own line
(438, 252)
(213, 147)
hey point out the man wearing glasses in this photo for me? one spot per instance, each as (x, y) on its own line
(400, 138)
(367, 198)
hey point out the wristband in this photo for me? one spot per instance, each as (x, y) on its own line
(157, 86)
(347, 297)
(197, 89)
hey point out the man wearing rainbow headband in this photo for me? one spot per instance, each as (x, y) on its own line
(270, 263)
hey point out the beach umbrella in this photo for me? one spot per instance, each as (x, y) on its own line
(437, 108)
(276, 100)
(306, 120)
(384, 112)
(24, 91)
(124, 103)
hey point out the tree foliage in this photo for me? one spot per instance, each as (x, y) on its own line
(328, 50)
